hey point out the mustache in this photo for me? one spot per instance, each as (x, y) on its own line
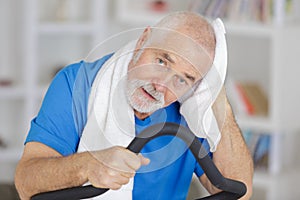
(140, 103)
(149, 88)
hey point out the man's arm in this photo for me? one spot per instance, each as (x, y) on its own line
(41, 169)
(232, 156)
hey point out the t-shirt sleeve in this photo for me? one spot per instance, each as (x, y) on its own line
(198, 170)
(54, 125)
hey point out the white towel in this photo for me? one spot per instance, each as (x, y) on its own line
(197, 109)
(103, 130)
(111, 119)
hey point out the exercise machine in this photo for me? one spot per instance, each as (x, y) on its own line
(230, 189)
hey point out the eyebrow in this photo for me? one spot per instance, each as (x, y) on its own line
(188, 76)
(168, 57)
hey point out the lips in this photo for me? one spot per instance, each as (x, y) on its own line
(148, 94)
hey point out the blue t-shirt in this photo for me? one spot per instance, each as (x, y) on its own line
(63, 115)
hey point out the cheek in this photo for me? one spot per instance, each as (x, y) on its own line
(142, 70)
(170, 97)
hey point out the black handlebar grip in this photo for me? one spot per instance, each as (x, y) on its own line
(231, 189)
(74, 193)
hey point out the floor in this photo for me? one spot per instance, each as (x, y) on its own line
(8, 192)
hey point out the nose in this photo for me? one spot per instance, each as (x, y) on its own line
(160, 88)
(159, 85)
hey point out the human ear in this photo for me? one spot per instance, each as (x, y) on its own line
(143, 38)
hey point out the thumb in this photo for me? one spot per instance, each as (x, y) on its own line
(144, 160)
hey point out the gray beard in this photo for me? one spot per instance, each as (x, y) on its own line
(141, 103)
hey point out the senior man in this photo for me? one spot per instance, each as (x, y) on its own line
(93, 109)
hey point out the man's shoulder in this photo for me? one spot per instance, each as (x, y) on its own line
(82, 70)
(90, 66)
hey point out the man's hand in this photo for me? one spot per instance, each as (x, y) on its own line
(108, 168)
(113, 167)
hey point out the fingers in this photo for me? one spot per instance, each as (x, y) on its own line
(116, 184)
(144, 160)
(101, 176)
(117, 180)
(114, 167)
(134, 161)
(112, 180)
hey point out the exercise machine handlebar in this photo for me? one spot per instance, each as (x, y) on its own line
(230, 189)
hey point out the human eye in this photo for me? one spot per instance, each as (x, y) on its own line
(161, 62)
(179, 81)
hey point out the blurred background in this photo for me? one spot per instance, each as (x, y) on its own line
(39, 37)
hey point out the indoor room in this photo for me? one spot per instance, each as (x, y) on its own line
(40, 39)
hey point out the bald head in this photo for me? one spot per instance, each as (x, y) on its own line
(192, 25)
